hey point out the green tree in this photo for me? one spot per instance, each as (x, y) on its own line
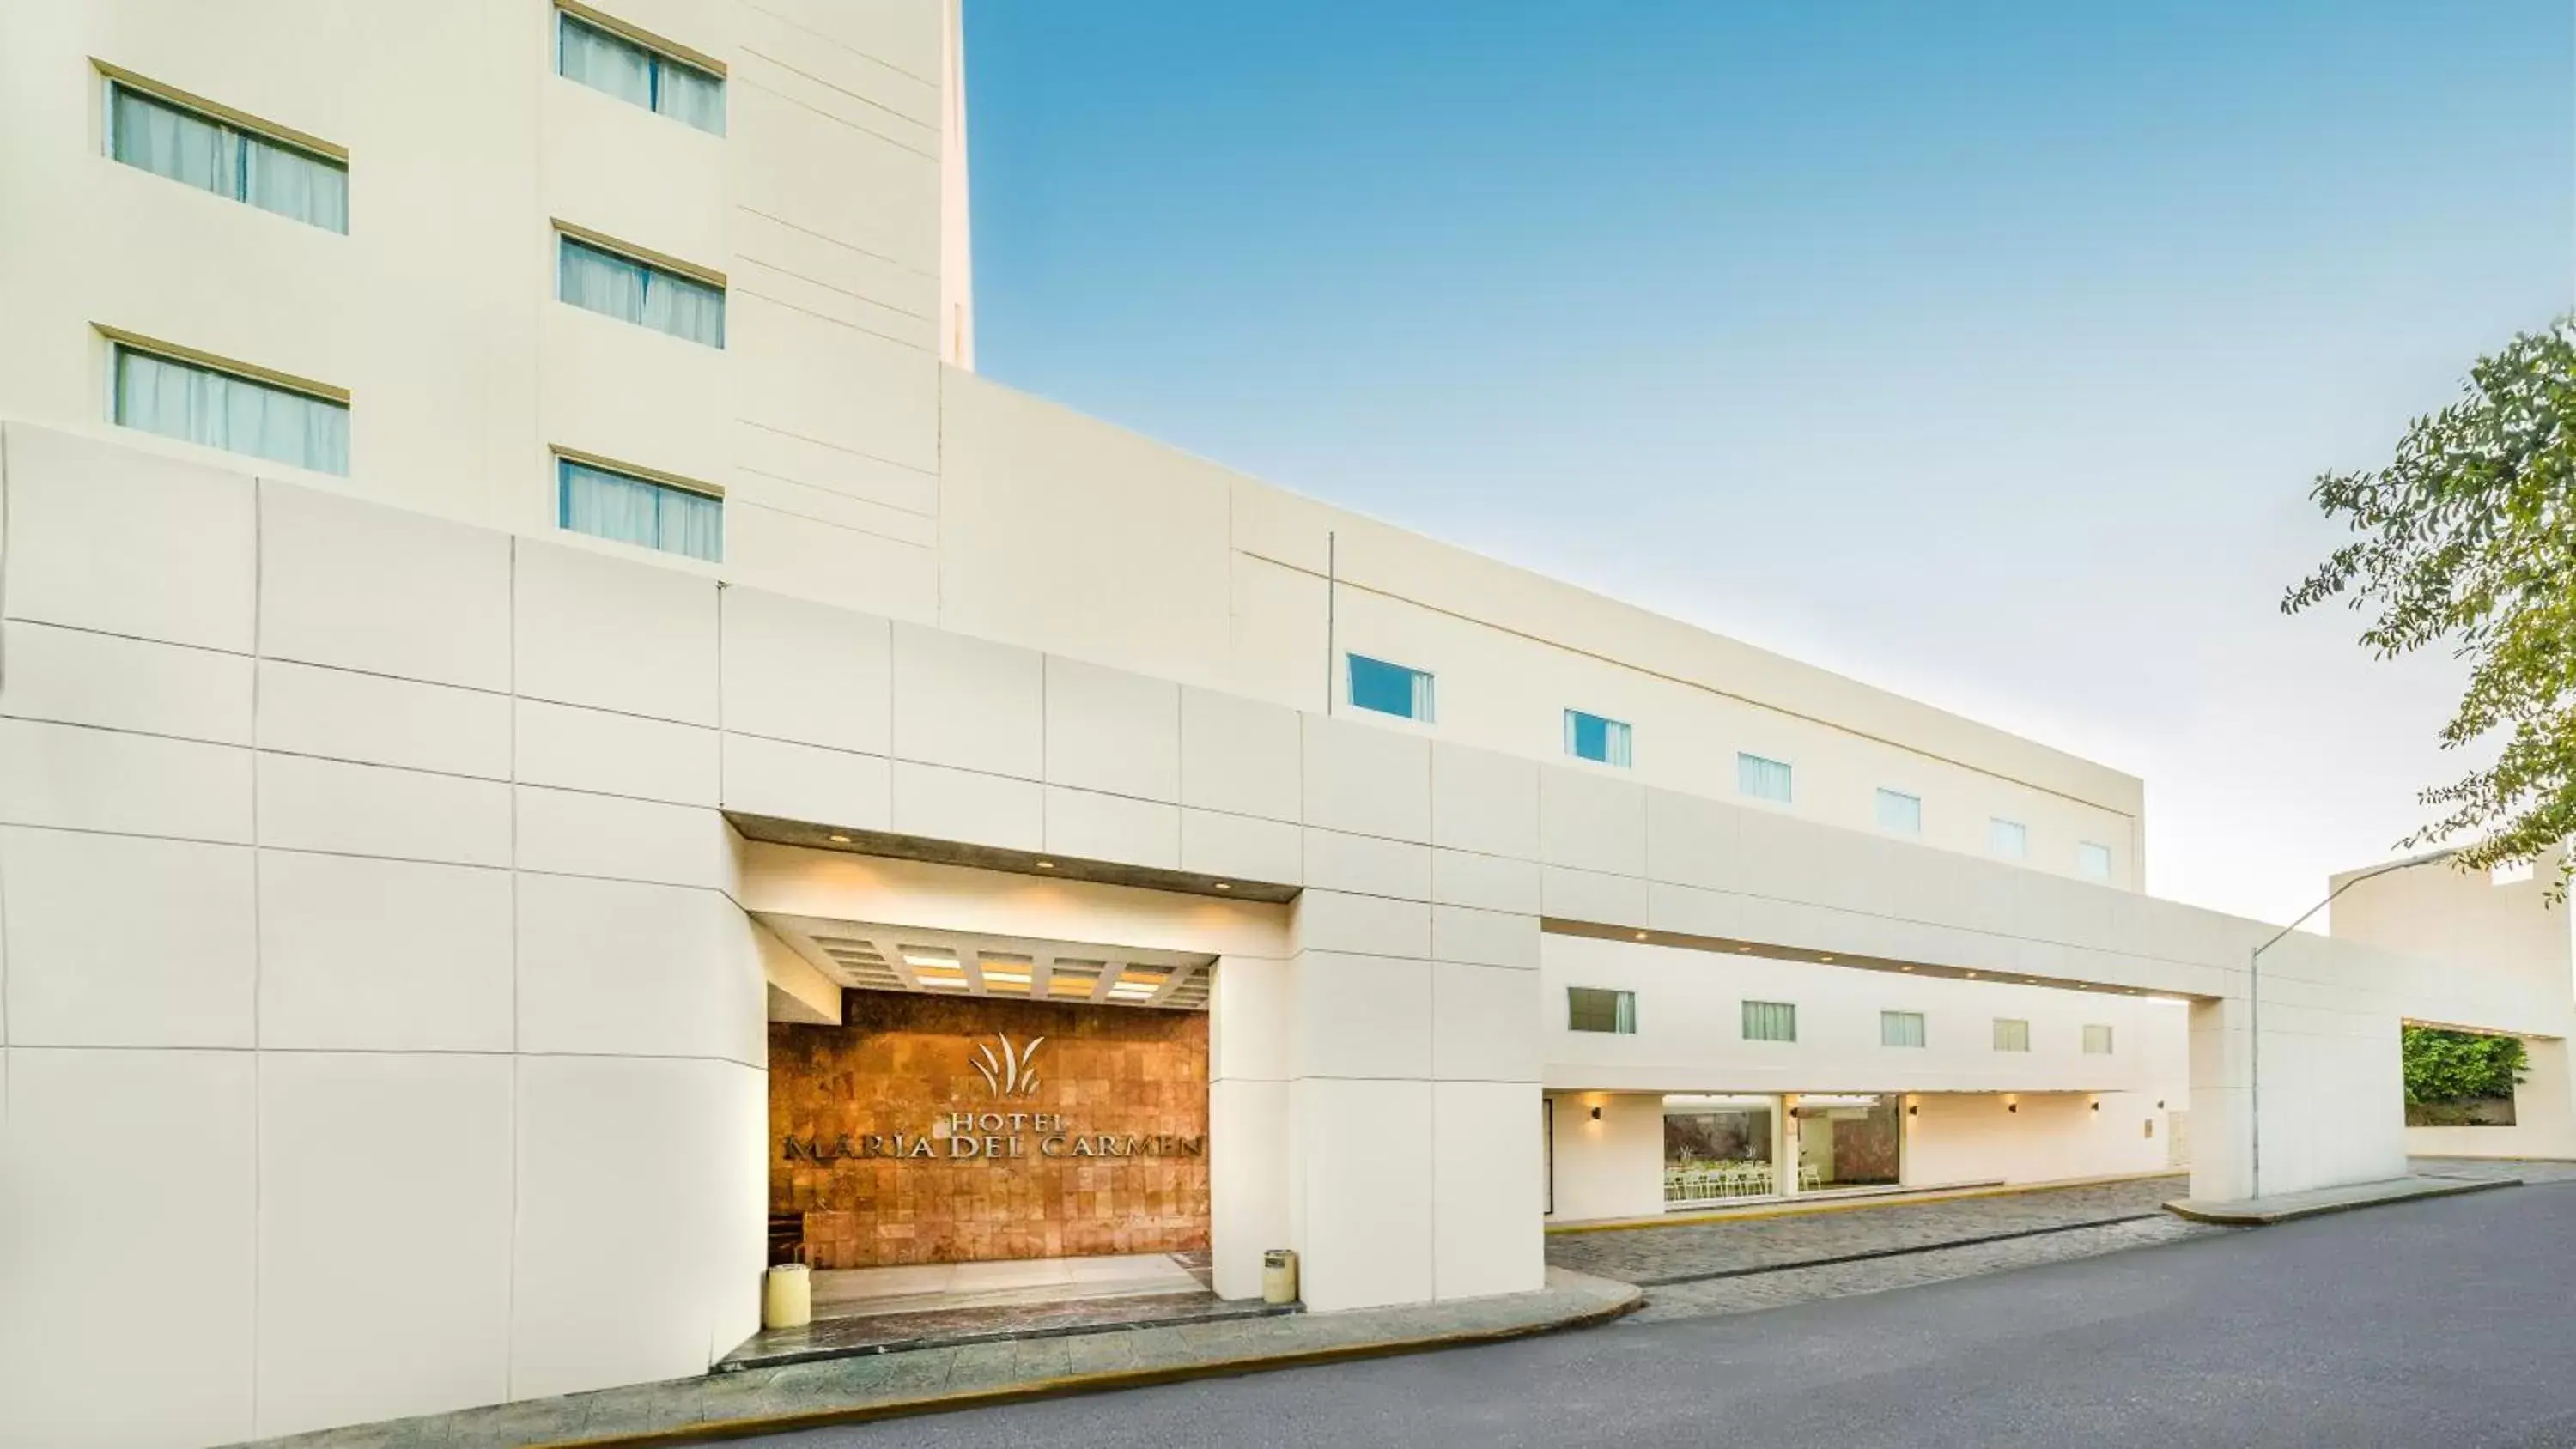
(2468, 538)
(2451, 1066)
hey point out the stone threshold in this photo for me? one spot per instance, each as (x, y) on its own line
(862, 1334)
(2255, 1212)
(872, 1387)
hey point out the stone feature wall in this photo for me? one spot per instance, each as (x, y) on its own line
(1106, 1154)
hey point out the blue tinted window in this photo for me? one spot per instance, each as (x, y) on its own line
(1590, 737)
(1390, 688)
(639, 511)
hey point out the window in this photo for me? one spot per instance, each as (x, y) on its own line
(1762, 779)
(2008, 838)
(1770, 1021)
(1900, 1028)
(2097, 1041)
(598, 280)
(1591, 1008)
(621, 506)
(230, 410)
(1590, 737)
(1900, 812)
(1390, 688)
(196, 149)
(2093, 862)
(2011, 1036)
(606, 61)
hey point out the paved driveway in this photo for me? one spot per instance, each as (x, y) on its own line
(2442, 1322)
(1687, 1252)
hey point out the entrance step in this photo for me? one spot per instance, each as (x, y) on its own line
(871, 1333)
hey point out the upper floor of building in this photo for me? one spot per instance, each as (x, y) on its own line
(687, 282)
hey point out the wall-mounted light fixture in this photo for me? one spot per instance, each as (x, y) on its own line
(2011, 1102)
(1596, 1114)
(2097, 1106)
(1913, 1111)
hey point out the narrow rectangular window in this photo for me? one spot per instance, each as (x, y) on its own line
(231, 411)
(1900, 812)
(1900, 1028)
(596, 279)
(1762, 779)
(2097, 1041)
(628, 509)
(195, 149)
(2008, 838)
(2093, 862)
(603, 60)
(1590, 737)
(1770, 1021)
(1593, 1008)
(2011, 1035)
(1389, 688)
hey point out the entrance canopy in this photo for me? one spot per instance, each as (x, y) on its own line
(873, 956)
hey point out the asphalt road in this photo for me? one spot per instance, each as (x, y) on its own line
(2448, 1323)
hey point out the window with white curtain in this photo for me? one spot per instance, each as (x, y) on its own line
(1770, 1021)
(1390, 688)
(2011, 1035)
(628, 69)
(2008, 838)
(1900, 812)
(1900, 1028)
(2097, 1040)
(620, 506)
(230, 410)
(1591, 737)
(1762, 779)
(2093, 862)
(165, 138)
(599, 280)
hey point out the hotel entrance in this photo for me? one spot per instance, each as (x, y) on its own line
(994, 1126)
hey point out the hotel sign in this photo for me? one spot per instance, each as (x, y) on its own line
(977, 1136)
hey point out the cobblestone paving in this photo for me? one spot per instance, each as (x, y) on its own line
(1688, 1251)
(1909, 1270)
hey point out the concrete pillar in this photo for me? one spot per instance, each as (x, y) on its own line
(1249, 1143)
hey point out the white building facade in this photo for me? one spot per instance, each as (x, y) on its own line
(501, 603)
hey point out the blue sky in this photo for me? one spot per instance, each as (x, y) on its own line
(1981, 351)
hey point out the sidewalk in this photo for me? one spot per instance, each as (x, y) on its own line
(933, 1380)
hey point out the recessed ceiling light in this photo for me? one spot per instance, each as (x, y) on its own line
(840, 840)
(1743, 948)
(1905, 968)
(1046, 865)
(1641, 935)
(1221, 885)
(1824, 958)
(1972, 975)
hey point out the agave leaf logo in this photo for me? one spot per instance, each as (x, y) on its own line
(1007, 1072)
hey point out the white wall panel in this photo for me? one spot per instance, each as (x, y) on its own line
(1367, 780)
(384, 955)
(71, 676)
(119, 540)
(1240, 756)
(70, 1332)
(90, 779)
(806, 782)
(1112, 731)
(426, 1325)
(329, 805)
(968, 703)
(806, 672)
(613, 633)
(120, 940)
(615, 754)
(1486, 1190)
(361, 586)
(570, 832)
(614, 967)
(378, 720)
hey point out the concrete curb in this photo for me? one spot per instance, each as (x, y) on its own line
(718, 1431)
(1908, 1250)
(2229, 1215)
(1854, 1203)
